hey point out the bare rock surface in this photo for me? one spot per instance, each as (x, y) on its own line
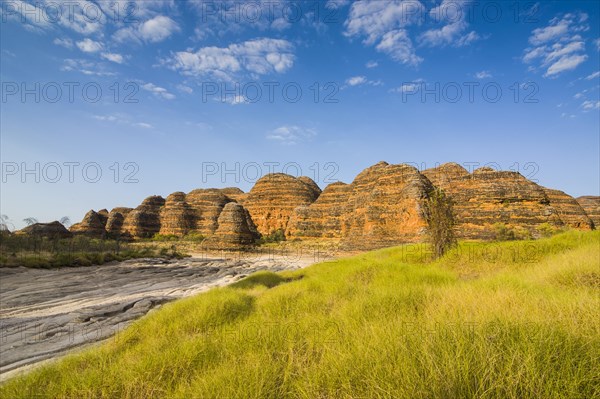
(45, 313)
(591, 205)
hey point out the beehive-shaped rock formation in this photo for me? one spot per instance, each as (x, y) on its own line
(385, 207)
(92, 225)
(176, 217)
(235, 229)
(322, 218)
(272, 200)
(206, 206)
(487, 197)
(144, 221)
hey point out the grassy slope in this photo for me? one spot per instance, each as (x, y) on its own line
(509, 320)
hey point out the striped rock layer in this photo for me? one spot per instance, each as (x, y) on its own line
(383, 206)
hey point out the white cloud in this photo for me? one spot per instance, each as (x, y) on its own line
(291, 135)
(158, 29)
(453, 14)
(114, 57)
(336, 4)
(356, 80)
(597, 43)
(383, 24)
(590, 105)
(107, 118)
(66, 42)
(409, 87)
(158, 91)
(566, 63)
(153, 30)
(185, 89)
(398, 45)
(235, 100)
(483, 75)
(143, 125)
(361, 80)
(85, 67)
(593, 75)
(256, 57)
(372, 64)
(122, 119)
(558, 47)
(89, 46)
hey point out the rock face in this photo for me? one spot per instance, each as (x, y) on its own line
(272, 200)
(144, 221)
(176, 217)
(235, 194)
(235, 230)
(383, 206)
(487, 197)
(591, 206)
(92, 225)
(323, 218)
(49, 230)
(206, 206)
(568, 211)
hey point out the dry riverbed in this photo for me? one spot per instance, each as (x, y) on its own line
(46, 313)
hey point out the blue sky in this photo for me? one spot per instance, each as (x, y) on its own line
(214, 94)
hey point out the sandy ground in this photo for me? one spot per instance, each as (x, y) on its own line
(47, 313)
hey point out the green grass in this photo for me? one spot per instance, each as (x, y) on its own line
(522, 323)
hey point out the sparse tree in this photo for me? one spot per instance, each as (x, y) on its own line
(4, 222)
(30, 221)
(65, 221)
(439, 214)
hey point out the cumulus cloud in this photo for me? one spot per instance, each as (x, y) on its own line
(383, 24)
(257, 57)
(483, 75)
(372, 64)
(409, 87)
(66, 42)
(452, 14)
(590, 105)
(558, 47)
(361, 80)
(85, 67)
(89, 46)
(356, 81)
(113, 57)
(291, 134)
(154, 30)
(158, 91)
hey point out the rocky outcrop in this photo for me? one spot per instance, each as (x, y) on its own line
(487, 197)
(235, 194)
(176, 217)
(272, 200)
(591, 206)
(49, 230)
(323, 218)
(206, 206)
(92, 225)
(114, 224)
(144, 221)
(235, 229)
(567, 210)
(385, 207)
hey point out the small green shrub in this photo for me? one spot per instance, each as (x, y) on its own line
(504, 233)
(275, 236)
